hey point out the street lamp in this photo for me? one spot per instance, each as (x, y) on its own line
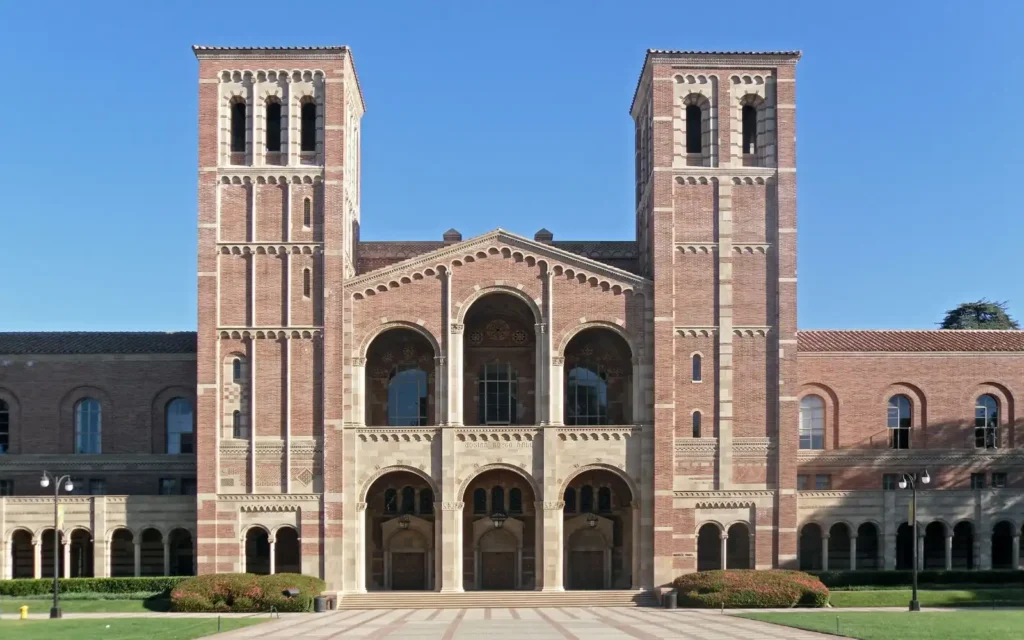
(912, 479)
(44, 482)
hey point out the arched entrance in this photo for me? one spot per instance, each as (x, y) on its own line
(839, 546)
(737, 547)
(905, 546)
(152, 553)
(599, 529)
(810, 548)
(500, 530)
(1002, 546)
(181, 562)
(46, 557)
(287, 552)
(257, 551)
(709, 547)
(401, 533)
(81, 554)
(21, 554)
(935, 546)
(598, 379)
(122, 554)
(400, 380)
(867, 547)
(963, 545)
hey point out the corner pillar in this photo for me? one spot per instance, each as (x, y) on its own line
(853, 553)
(554, 518)
(66, 552)
(451, 546)
(167, 556)
(949, 552)
(824, 552)
(37, 558)
(1015, 563)
(137, 543)
(273, 549)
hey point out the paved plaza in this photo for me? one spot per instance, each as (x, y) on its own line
(535, 624)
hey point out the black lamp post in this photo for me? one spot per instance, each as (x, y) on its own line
(912, 479)
(68, 487)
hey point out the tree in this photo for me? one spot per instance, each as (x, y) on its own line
(981, 314)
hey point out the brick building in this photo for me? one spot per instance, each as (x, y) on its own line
(503, 412)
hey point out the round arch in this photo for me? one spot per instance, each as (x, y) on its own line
(9, 534)
(465, 305)
(383, 471)
(831, 401)
(601, 466)
(384, 327)
(918, 399)
(158, 419)
(572, 332)
(249, 527)
(716, 523)
(479, 471)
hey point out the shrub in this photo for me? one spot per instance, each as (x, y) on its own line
(750, 589)
(245, 592)
(32, 587)
(902, 578)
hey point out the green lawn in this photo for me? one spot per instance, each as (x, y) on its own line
(903, 625)
(163, 628)
(10, 606)
(929, 598)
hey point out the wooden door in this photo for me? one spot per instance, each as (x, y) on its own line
(497, 570)
(586, 570)
(408, 572)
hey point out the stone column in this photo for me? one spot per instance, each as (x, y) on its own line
(442, 376)
(920, 550)
(542, 373)
(556, 410)
(66, 551)
(724, 537)
(634, 567)
(273, 549)
(451, 546)
(137, 543)
(455, 387)
(167, 557)
(37, 558)
(1015, 564)
(359, 564)
(637, 390)
(550, 384)
(853, 553)
(949, 551)
(437, 566)
(824, 552)
(554, 517)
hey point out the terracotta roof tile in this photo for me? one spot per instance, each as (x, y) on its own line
(96, 342)
(924, 340)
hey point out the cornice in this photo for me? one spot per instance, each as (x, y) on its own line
(725, 495)
(270, 498)
(697, 331)
(269, 248)
(734, 175)
(883, 457)
(268, 333)
(102, 462)
(697, 447)
(910, 354)
(268, 174)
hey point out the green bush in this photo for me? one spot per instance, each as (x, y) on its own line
(903, 578)
(245, 592)
(750, 589)
(32, 587)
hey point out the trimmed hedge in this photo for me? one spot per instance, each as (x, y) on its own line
(245, 593)
(903, 578)
(750, 589)
(32, 587)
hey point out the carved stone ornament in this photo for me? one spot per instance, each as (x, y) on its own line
(552, 505)
(452, 506)
(558, 361)
(360, 506)
(457, 328)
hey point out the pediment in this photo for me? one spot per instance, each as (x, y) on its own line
(497, 244)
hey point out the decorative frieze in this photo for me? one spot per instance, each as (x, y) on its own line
(383, 436)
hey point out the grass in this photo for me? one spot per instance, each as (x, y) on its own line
(94, 604)
(903, 625)
(162, 628)
(929, 598)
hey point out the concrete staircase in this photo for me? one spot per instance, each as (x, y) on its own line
(495, 599)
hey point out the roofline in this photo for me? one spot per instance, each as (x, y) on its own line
(915, 330)
(717, 59)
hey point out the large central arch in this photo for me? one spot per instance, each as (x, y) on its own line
(400, 531)
(499, 525)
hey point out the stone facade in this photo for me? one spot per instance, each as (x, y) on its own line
(503, 412)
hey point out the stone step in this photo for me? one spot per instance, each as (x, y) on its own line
(495, 599)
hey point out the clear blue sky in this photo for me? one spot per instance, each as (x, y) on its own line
(909, 121)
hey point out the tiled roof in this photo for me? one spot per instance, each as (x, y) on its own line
(96, 342)
(925, 340)
(203, 47)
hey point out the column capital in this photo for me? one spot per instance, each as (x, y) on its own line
(355, 362)
(457, 328)
(557, 361)
(826, 536)
(723, 536)
(451, 506)
(360, 506)
(549, 505)
(440, 360)
(541, 327)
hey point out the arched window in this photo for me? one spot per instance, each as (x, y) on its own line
(498, 394)
(307, 282)
(497, 499)
(479, 501)
(986, 422)
(749, 116)
(407, 397)
(515, 500)
(180, 426)
(391, 501)
(308, 141)
(426, 501)
(586, 401)
(408, 500)
(696, 424)
(5, 427)
(236, 369)
(570, 500)
(694, 137)
(88, 425)
(812, 423)
(238, 127)
(586, 499)
(696, 374)
(273, 126)
(900, 418)
(307, 212)
(236, 425)
(604, 500)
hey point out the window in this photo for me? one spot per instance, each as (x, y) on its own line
(180, 425)
(308, 142)
(586, 499)
(6, 487)
(695, 373)
(899, 422)
(273, 126)
(407, 397)
(426, 501)
(515, 501)
(497, 500)
(307, 212)
(238, 127)
(812, 423)
(188, 487)
(236, 425)
(890, 481)
(498, 394)
(801, 482)
(307, 284)
(5, 427)
(390, 501)
(97, 487)
(694, 142)
(570, 500)
(87, 426)
(696, 424)
(977, 480)
(749, 129)
(604, 500)
(236, 370)
(479, 501)
(168, 486)
(998, 480)
(586, 399)
(986, 422)
(408, 500)
(822, 482)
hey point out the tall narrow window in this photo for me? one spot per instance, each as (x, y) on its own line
(180, 426)
(696, 374)
(812, 423)
(238, 127)
(986, 422)
(308, 126)
(694, 137)
(236, 370)
(604, 500)
(88, 425)
(586, 401)
(307, 212)
(426, 502)
(900, 418)
(498, 394)
(273, 126)
(586, 499)
(696, 424)
(407, 397)
(307, 282)
(749, 115)
(479, 501)
(391, 501)
(515, 500)
(5, 427)
(236, 425)
(408, 500)
(497, 499)
(570, 500)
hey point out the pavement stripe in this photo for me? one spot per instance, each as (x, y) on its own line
(341, 632)
(453, 626)
(623, 627)
(557, 626)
